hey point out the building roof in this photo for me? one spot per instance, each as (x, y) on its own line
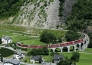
(36, 58)
(12, 61)
(18, 51)
(6, 37)
(58, 57)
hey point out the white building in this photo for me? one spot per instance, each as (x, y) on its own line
(6, 40)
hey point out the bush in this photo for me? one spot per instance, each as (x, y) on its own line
(43, 51)
(9, 7)
(47, 37)
(71, 35)
(6, 52)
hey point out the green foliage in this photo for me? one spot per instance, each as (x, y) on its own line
(85, 58)
(81, 15)
(52, 36)
(72, 35)
(65, 61)
(9, 7)
(77, 25)
(75, 56)
(14, 28)
(65, 49)
(90, 43)
(6, 52)
(61, 7)
(47, 37)
(53, 53)
(43, 51)
(82, 10)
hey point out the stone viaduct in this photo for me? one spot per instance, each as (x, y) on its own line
(80, 44)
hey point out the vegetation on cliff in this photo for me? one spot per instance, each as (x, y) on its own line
(9, 7)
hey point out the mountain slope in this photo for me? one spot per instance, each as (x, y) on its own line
(67, 7)
(37, 14)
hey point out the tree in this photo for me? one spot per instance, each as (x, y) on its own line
(77, 25)
(75, 57)
(59, 39)
(65, 61)
(33, 52)
(45, 51)
(90, 43)
(71, 35)
(1, 58)
(47, 37)
(9, 7)
(39, 51)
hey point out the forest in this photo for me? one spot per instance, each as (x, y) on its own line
(9, 7)
(82, 10)
(81, 17)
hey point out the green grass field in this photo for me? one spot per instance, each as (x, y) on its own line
(85, 57)
(32, 41)
(26, 38)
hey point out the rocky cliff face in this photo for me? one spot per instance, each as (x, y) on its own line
(37, 14)
(41, 14)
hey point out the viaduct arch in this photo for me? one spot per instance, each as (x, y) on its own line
(80, 44)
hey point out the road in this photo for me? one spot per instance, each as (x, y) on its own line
(38, 64)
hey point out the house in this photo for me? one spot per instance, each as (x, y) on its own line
(11, 61)
(19, 54)
(6, 40)
(36, 58)
(57, 57)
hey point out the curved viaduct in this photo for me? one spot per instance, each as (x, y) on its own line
(80, 44)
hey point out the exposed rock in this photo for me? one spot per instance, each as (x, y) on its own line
(40, 14)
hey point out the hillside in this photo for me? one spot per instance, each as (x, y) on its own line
(36, 14)
(46, 14)
(67, 7)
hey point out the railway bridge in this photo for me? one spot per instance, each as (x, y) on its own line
(80, 44)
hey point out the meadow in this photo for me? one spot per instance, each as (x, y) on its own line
(85, 56)
(29, 39)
